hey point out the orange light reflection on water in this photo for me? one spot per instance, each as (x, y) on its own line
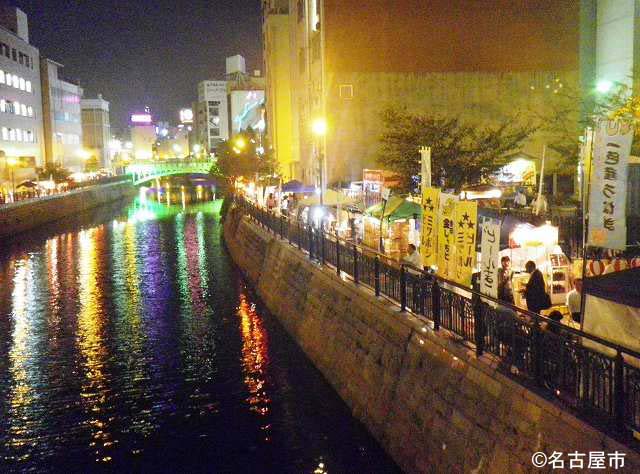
(255, 358)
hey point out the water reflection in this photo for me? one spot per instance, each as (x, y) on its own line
(128, 343)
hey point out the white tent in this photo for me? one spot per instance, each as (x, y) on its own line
(330, 198)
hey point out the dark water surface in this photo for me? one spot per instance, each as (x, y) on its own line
(129, 343)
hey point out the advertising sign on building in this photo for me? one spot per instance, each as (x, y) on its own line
(466, 218)
(608, 190)
(490, 255)
(446, 235)
(429, 232)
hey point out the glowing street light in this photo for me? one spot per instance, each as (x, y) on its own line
(319, 127)
(603, 86)
(240, 143)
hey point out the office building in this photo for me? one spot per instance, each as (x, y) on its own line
(143, 135)
(62, 120)
(277, 67)
(21, 125)
(448, 58)
(96, 130)
(211, 114)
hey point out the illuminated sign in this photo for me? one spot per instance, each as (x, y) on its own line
(186, 116)
(140, 118)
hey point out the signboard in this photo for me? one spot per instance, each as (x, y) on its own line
(608, 189)
(140, 118)
(446, 235)
(490, 255)
(429, 236)
(186, 116)
(465, 224)
(425, 165)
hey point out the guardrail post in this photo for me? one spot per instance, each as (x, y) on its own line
(299, 236)
(356, 276)
(310, 226)
(618, 390)
(435, 304)
(403, 289)
(376, 278)
(337, 254)
(479, 327)
(536, 349)
(289, 230)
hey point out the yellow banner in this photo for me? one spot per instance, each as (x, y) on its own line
(466, 222)
(446, 236)
(429, 230)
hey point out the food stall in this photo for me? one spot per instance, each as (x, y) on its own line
(539, 244)
(397, 220)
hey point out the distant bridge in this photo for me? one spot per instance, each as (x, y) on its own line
(144, 171)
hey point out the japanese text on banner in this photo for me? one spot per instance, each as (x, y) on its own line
(466, 218)
(429, 237)
(490, 256)
(608, 190)
(446, 236)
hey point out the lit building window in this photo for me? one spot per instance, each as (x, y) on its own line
(5, 133)
(12, 135)
(19, 135)
(1, 77)
(28, 86)
(30, 111)
(16, 81)
(9, 79)
(21, 84)
(24, 109)
(16, 108)
(3, 105)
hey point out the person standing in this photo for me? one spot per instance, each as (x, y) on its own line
(505, 283)
(535, 292)
(574, 300)
(413, 258)
(520, 199)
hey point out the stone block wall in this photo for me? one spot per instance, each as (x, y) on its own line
(23, 216)
(429, 401)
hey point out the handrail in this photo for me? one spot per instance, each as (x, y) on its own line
(555, 359)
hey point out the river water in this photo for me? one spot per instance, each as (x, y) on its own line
(129, 343)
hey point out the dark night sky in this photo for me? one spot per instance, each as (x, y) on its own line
(144, 52)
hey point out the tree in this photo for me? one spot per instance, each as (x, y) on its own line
(241, 156)
(54, 171)
(460, 153)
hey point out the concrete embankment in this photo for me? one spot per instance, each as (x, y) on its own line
(430, 402)
(22, 216)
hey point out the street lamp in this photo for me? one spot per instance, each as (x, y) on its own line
(319, 129)
(12, 162)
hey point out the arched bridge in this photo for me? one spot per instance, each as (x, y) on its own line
(149, 170)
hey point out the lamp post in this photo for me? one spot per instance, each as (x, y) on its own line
(319, 129)
(12, 162)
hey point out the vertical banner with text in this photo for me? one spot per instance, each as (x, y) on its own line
(446, 235)
(429, 231)
(608, 189)
(490, 256)
(466, 218)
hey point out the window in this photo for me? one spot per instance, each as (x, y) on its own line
(9, 107)
(19, 135)
(214, 111)
(16, 81)
(3, 105)
(5, 133)
(21, 58)
(21, 84)
(346, 91)
(9, 79)
(214, 132)
(29, 137)
(16, 108)
(27, 60)
(12, 135)
(27, 86)
(24, 109)
(5, 49)
(1, 77)
(30, 111)
(14, 54)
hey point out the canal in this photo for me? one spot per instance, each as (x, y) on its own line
(129, 342)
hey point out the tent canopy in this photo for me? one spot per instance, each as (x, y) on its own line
(619, 287)
(330, 198)
(397, 208)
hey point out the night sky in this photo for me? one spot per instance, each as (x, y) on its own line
(144, 52)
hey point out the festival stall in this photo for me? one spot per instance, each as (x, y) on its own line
(333, 213)
(397, 221)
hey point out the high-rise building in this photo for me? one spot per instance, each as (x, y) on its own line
(21, 126)
(277, 67)
(143, 135)
(483, 62)
(211, 114)
(96, 129)
(61, 116)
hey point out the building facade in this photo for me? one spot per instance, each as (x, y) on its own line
(21, 124)
(62, 119)
(96, 129)
(211, 114)
(277, 67)
(448, 58)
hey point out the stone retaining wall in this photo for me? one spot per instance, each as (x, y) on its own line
(428, 400)
(22, 216)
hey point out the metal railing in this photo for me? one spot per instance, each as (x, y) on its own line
(544, 355)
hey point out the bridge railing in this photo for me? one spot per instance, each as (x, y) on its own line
(546, 356)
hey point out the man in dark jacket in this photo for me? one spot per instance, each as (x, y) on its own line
(535, 292)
